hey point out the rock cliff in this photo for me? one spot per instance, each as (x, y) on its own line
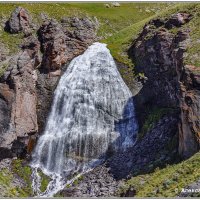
(27, 85)
(158, 54)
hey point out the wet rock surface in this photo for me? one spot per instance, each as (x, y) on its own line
(60, 42)
(155, 149)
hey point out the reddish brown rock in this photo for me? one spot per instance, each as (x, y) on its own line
(53, 43)
(18, 90)
(31, 79)
(60, 44)
(189, 128)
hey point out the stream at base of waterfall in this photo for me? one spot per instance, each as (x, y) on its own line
(92, 115)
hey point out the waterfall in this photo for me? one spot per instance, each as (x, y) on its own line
(92, 113)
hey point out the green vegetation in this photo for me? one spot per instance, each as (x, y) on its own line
(193, 52)
(121, 41)
(166, 182)
(153, 117)
(8, 188)
(5, 182)
(11, 41)
(3, 68)
(111, 19)
(118, 25)
(24, 172)
(44, 181)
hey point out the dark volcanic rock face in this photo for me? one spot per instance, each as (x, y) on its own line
(155, 149)
(159, 54)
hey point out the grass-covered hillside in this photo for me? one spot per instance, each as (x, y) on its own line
(112, 19)
(119, 42)
(166, 182)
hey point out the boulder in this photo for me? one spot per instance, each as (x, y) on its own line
(107, 5)
(178, 20)
(62, 42)
(115, 4)
(20, 21)
(98, 182)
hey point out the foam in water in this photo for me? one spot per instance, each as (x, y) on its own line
(92, 112)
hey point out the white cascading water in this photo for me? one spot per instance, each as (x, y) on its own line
(92, 112)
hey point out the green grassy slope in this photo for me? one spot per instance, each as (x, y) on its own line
(121, 41)
(20, 169)
(167, 182)
(111, 19)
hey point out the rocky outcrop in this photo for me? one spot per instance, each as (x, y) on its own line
(20, 21)
(82, 29)
(159, 54)
(18, 92)
(189, 128)
(53, 46)
(60, 44)
(157, 148)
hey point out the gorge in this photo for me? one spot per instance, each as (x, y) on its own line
(97, 100)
